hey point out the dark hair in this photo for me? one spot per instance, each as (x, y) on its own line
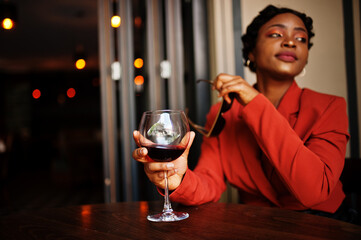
(249, 39)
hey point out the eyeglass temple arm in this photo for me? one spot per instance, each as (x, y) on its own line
(205, 80)
(197, 127)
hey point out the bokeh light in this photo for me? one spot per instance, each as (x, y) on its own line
(7, 24)
(36, 94)
(80, 64)
(71, 93)
(138, 22)
(116, 21)
(138, 63)
(139, 80)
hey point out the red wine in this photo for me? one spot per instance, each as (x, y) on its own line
(164, 153)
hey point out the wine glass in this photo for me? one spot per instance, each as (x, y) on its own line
(165, 134)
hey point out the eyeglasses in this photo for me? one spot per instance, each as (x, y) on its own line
(219, 121)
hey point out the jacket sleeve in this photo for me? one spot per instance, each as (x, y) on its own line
(310, 165)
(206, 183)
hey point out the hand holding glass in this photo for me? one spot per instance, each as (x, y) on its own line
(165, 134)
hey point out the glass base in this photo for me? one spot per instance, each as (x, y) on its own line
(168, 217)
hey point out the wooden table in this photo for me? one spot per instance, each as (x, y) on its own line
(210, 221)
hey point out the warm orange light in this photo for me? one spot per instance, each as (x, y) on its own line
(7, 23)
(144, 208)
(116, 21)
(138, 22)
(138, 63)
(86, 216)
(36, 93)
(70, 93)
(139, 80)
(80, 64)
(86, 210)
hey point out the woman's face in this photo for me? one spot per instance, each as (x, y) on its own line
(282, 47)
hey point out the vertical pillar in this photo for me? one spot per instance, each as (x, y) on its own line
(155, 54)
(108, 103)
(174, 38)
(127, 100)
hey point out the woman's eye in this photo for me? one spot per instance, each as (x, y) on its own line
(275, 35)
(301, 39)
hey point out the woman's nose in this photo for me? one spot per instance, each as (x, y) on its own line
(288, 43)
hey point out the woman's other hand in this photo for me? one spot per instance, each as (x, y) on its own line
(226, 84)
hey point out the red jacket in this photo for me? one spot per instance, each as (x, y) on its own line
(290, 157)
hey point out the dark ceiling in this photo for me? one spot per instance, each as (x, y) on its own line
(47, 34)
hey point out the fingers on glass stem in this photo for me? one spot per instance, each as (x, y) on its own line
(170, 173)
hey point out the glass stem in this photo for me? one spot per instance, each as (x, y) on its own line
(167, 206)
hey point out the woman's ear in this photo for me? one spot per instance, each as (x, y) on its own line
(251, 56)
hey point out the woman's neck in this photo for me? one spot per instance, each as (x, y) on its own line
(273, 89)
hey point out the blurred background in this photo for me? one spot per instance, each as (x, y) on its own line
(74, 82)
(50, 121)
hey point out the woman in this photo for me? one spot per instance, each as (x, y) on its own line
(282, 146)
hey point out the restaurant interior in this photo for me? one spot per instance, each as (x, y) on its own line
(51, 123)
(74, 82)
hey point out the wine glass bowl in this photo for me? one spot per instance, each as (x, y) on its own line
(165, 134)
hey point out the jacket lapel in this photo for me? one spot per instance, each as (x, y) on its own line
(288, 107)
(290, 104)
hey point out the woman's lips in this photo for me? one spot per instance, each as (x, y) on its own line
(287, 56)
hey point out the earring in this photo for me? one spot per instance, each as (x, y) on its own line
(303, 73)
(248, 62)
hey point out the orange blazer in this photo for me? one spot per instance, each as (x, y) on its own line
(290, 157)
